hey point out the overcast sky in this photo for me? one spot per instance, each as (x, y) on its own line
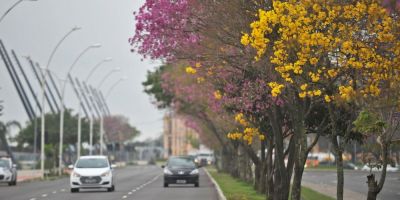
(34, 28)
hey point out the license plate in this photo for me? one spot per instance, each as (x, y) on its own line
(181, 181)
(90, 181)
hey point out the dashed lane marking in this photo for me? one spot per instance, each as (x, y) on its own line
(44, 195)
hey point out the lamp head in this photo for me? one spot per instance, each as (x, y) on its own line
(76, 28)
(97, 45)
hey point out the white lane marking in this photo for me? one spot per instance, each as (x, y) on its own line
(32, 199)
(133, 190)
(129, 193)
(54, 192)
(62, 190)
(124, 197)
(44, 195)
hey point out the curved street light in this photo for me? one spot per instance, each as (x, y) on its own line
(63, 107)
(108, 59)
(101, 116)
(97, 66)
(12, 7)
(117, 69)
(114, 85)
(43, 83)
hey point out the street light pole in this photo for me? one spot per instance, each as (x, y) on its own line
(60, 156)
(117, 69)
(12, 7)
(43, 83)
(101, 115)
(108, 59)
(114, 85)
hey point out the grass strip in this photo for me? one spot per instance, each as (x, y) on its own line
(235, 189)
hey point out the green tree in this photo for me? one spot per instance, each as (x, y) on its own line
(153, 87)
(4, 131)
(26, 138)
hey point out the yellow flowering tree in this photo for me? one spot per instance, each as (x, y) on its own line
(329, 51)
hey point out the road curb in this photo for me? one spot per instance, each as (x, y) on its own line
(221, 195)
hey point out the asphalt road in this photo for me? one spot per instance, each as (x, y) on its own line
(356, 182)
(138, 183)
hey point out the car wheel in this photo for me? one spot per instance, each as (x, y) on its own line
(73, 190)
(111, 189)
(196, 185)
(165, 184)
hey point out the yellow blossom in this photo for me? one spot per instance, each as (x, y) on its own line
(302, 94)
(217, 95)
(328, 98)
(190, 70)
(304, 86)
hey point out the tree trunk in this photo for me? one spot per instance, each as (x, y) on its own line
(340, 175)
(269, 169)
(257, 176)
(373, 188)
(281, 182)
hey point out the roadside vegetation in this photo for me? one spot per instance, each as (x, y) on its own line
(236, 189)
(263, 81)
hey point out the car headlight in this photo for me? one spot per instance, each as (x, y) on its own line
(107, 173)
(194, 172)
(74, 174)
(167, 171)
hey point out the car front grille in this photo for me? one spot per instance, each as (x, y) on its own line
(1, 177)
(90, 179)
(181, 172)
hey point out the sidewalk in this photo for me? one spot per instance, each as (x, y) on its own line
(27, 175)
(331, 191)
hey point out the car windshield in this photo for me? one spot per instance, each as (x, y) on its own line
(4, 163)
(92, 163)
(181, 162)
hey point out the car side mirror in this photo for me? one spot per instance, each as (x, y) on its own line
(163, 166)
(113, 166)
(70, 167)
(14, 166)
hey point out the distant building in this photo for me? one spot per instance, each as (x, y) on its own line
(178, 137)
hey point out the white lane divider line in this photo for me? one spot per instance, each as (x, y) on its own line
(44, 195)
(141, 186)
(62, 190)
(32, 199)
(54, 192)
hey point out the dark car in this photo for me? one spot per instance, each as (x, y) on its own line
(181, 170)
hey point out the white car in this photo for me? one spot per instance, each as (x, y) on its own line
(389, 168)
(8, 171)
(92, 172)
